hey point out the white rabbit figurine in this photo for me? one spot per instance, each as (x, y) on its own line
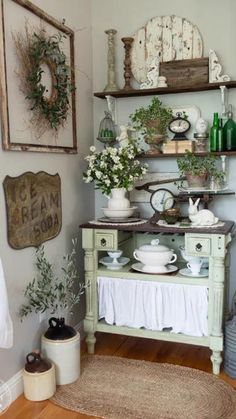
(123, 138)
(203, 217)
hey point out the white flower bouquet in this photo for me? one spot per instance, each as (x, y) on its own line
(114, 168)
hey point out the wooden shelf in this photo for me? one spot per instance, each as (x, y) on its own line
(168, 155)
(165, 90)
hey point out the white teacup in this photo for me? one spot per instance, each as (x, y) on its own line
(195, 267)
(188, 258)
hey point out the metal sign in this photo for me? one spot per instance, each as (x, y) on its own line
(33, 203)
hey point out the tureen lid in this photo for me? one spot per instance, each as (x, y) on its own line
(154, 247)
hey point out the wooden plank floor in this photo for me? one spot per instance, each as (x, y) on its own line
(129, 347)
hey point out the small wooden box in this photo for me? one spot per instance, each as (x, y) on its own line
(175, 147)
(182, 73)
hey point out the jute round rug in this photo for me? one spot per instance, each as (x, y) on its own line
(120, 388)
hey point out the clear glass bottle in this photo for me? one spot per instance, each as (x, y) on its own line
(229, 132)
(214, 133)
(201, 143)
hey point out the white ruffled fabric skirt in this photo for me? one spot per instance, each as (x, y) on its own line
(154, 305)
(6, 327)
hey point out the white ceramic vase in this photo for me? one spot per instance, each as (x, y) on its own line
(118, 200)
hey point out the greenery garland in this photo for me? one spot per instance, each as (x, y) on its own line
(33, 50)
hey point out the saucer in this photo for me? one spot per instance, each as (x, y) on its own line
(109, 263)
(186, 272)
(140, 267)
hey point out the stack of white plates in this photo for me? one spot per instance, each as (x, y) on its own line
(122, 213)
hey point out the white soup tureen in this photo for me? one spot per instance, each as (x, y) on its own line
(155, 256)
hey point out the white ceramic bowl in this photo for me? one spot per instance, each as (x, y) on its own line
(115, 254)
(123, 213)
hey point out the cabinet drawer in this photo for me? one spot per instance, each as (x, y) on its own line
(105, 240)
(198, 246)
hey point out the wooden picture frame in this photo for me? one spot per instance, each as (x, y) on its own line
(18, 133)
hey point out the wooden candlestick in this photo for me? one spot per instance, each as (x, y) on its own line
(127, 62)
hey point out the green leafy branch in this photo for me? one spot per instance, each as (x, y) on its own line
(47, 291)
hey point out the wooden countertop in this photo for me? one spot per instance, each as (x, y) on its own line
(154, 228)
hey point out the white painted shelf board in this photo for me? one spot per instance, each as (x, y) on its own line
(125, 273)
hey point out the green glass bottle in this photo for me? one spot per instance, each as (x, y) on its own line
(221, 145)
(214, 133)
(229, 132)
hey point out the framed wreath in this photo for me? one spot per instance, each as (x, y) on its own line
(38, 84)
(34, 50)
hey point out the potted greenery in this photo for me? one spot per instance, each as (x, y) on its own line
(152, 122)
(114, 171)
(198, 170)
(48, 293)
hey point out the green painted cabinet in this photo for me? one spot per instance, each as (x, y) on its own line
(207, 242)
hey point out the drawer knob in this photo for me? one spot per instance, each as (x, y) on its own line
(103, 242)
(198, 247)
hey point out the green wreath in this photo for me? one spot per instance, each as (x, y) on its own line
(34, 50)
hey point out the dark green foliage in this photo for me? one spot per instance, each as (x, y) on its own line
(198, 165)
(152, 120)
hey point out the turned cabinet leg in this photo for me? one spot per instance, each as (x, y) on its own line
(217, 277)
(216, 360)
(90, 262)
(226, 294)
(90, 340)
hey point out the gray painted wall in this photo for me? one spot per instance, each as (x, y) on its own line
(77, 198)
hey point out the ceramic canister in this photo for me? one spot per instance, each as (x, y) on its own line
(39, 378)
(65, 354)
